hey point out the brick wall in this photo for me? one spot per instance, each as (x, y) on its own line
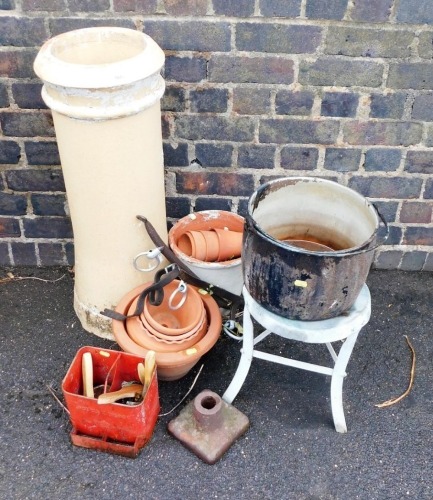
(256, 89)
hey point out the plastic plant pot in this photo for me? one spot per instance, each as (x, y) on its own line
(116, 428)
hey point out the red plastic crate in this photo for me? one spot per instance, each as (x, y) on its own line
(113, 427)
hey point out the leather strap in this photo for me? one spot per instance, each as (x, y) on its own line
(155, 292)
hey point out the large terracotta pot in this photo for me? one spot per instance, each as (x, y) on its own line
(170, 365)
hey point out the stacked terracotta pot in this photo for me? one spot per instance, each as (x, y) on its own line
(216, 245)
(169, 327)
(210, 243)
(180, 330)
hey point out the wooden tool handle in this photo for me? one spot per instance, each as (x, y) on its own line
(149, 367)
(129, 391)
(87, 371)
(140, 370)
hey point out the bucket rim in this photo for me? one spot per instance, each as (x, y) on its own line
(366, 246)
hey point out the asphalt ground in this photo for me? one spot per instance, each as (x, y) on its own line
(291, 450)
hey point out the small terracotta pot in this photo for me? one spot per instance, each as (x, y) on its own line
(193, 244)
(141, 336)
(184, 342)
(136, 333)
(313, 246)
(212, 246)
(177, 337)
(170, 366)
(230, 244)
(174, 321)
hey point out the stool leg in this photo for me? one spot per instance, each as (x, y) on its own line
(245, 361)
(337, 382)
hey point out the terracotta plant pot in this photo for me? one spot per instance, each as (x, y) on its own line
(183, 341)
(170, 366)
(175, 337)
(229, 244)
(193, 243)
(140, 335)
(226, 275)
(174, 321)
(212, 245)
(143, 334)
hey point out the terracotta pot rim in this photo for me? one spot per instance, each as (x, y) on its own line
(169, 338)
(182, 342)
(172, 337)
(142, 337)
(192, 296)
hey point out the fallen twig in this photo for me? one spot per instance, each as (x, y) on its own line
(107, 378)
(186, 395)
(393, 401)
(11, 277)
(57, 399)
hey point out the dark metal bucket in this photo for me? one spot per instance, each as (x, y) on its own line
(298, 282)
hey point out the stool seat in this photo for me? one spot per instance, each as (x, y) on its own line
(345, 328)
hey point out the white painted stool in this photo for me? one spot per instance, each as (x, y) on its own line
(345, 328)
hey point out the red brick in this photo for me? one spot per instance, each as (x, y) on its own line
(139, 6)
(251, 101)
(227, 184)
(9, 228)
(51, 254)
(48, 227)
(388, 133)
(186, 7)
(416, 212)
(17, 63)
(24, 254)
(27, 124)
(88, 5)
(22, 31)
(44, 5)
(239, 69)
(413, 261)
(388, 259)
(387, 187)
(4, 255)
(418, 235)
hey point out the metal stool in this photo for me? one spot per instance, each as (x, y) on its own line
(345, 328)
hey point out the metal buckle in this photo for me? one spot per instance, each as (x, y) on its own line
(150, 255)
(182, 289)
(170, 267)
(233, 329)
